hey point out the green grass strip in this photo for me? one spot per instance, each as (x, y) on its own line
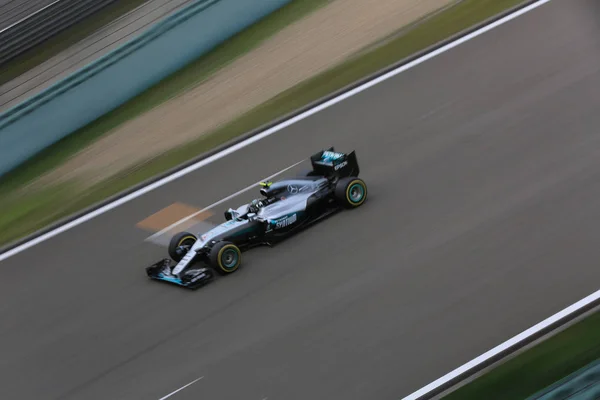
(539, 367)
(433, 30)
(65, 39)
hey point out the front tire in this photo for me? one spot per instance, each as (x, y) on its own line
(180, 244)
(225, 257)
(351, 192)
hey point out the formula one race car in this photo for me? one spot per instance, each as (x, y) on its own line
(286, 207)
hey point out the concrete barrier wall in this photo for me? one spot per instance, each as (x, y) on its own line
(122, 74)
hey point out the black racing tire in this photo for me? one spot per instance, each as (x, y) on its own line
(351, 192)
(225, 257)
(185, 239)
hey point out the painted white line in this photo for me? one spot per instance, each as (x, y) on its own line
(264, 134)
(29, 16)
(180, 389)
(181, 221)
(502, 347)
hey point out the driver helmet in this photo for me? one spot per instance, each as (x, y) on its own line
(256, 204)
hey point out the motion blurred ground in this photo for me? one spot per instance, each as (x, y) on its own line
(77, 46)
(313, 44)
(31, 203)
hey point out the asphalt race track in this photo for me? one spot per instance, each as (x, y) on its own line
(484, 177)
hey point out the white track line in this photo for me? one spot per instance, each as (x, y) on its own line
(266, 133)
(500, 348)
(29, 16)
(180, 389)
(184, 219)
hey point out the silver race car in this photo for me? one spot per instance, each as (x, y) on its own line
(285, 207)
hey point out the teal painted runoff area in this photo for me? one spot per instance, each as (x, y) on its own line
(127, 71)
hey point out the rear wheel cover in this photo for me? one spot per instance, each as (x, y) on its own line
(356, 192)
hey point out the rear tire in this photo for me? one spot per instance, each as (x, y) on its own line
(181, 239)
(351, 192)
(225, 257)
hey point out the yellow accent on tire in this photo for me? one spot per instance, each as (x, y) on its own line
(237, 265)
(183, 239)
(364, 187)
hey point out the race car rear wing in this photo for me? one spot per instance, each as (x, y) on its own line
(331, 163)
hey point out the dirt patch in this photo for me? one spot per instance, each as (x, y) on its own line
(298, 52)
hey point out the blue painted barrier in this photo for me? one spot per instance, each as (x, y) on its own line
(127, 71)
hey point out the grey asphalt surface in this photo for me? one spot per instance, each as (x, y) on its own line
(86, 51)
(484, 180)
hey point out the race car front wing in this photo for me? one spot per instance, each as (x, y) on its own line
(191, 279)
